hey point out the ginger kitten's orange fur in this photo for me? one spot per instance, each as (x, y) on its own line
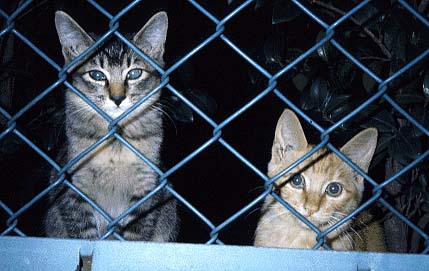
(322, 188)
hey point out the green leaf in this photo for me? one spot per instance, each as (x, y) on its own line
(378, 157)
(418, 41)
(383, 142)
(426, 85)
(343, 74)
(423, 182)
(396, 153)
(337, 101)
(409, 98)
(275, 49)
(365, 13)
(284, 11)
(411, 93)
(420, 114)
(367, 111)
(368, 82)
(319, 92)
(395, 36)
(255, 76)
(339, 112)
(260, 3)
(324, 51)
(383, 121)
(300, 81)
(306, 101)
(405, 146)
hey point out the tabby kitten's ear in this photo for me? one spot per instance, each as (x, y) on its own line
(289, 136)
(361, 147)
(151, 37)
(73, 38)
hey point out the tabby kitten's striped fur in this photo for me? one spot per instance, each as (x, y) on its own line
(114, 78)
(323, 189)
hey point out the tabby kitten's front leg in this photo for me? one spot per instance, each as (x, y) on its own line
(71, 217)
(153, 220)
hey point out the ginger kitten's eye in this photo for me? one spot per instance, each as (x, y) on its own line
(134, 74)
(334, 189)
(297, 181)
(97, 75)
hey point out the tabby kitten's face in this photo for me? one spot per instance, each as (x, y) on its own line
(323, 188)
(114, 77)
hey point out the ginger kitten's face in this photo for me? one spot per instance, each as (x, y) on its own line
(322, 188)
(114, 77)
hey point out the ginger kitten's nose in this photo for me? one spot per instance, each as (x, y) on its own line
(117, 99)
(310, 210)
(312, 204)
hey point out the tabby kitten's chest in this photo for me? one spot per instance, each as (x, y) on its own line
(112, 176)
(112, 171)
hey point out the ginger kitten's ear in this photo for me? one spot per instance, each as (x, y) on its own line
(361, 147)
(151, 38)
(73, 38)
(289, 136)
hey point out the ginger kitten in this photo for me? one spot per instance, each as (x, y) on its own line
(323, 189)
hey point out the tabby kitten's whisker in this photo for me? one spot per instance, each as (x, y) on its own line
(253, 211)
(161, 110)
(257, 188)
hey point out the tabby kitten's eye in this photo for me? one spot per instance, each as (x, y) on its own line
(334, 189)
(97, 75)
(134, 74)
(297, 181)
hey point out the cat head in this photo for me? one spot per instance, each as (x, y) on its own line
(114, 77)
(323, 188)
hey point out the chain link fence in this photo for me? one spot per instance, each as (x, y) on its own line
(9, 120)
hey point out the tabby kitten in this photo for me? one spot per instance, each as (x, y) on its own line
(323, 189)
(114, 78)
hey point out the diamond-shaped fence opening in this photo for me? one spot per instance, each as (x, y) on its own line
(232, 152)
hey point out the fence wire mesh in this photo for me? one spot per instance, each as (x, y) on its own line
(219, 25)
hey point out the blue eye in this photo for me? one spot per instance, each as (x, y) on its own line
(97, 75)
(134, 74)
(334, 189)
(297, 181)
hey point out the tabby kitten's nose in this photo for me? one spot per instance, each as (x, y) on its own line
(117, 99)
